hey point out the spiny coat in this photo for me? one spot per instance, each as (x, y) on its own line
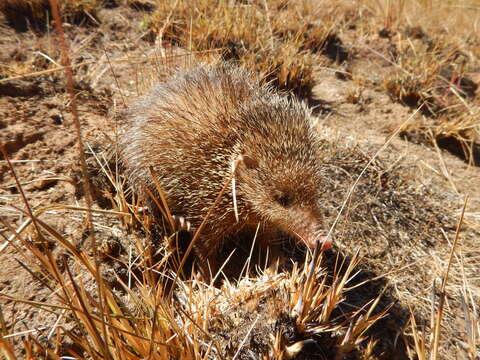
(193, 127)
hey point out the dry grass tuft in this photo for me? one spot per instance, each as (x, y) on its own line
(35, 15)
(275, 315)
(280, 40)
(433, 74)
(427, 345)
(433, 48)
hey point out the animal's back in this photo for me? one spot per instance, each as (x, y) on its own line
(184, 127)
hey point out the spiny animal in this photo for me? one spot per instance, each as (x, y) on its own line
(214, 122)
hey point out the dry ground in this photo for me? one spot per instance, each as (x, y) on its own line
(401, 217)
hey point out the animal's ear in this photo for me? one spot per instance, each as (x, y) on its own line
(250, 163)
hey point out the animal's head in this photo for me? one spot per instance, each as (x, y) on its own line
(278, 171)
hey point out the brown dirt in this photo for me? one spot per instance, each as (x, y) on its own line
(37, 132)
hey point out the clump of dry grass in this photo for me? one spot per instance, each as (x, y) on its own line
(285, 41)
(428, 346)
(143, 313)
(433, 51)
(35, 14)
(286, 68)
(280, 40)
(431, 74)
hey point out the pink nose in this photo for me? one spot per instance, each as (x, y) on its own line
(309, 230)
(325, 241)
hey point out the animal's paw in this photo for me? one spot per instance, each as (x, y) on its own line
(182, 223)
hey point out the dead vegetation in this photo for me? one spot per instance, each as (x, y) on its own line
(285, 41)
(278, 39)
(344, 306)
(135, 315)
(321, 307)
(36, 15)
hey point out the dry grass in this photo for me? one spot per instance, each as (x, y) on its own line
(427, 345)
(279, 39)
(142, 314)
(432, 53)
(432, 73)
(35, 15)
(314, 310)
(433, 48)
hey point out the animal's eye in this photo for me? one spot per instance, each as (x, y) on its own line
(284, 199)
